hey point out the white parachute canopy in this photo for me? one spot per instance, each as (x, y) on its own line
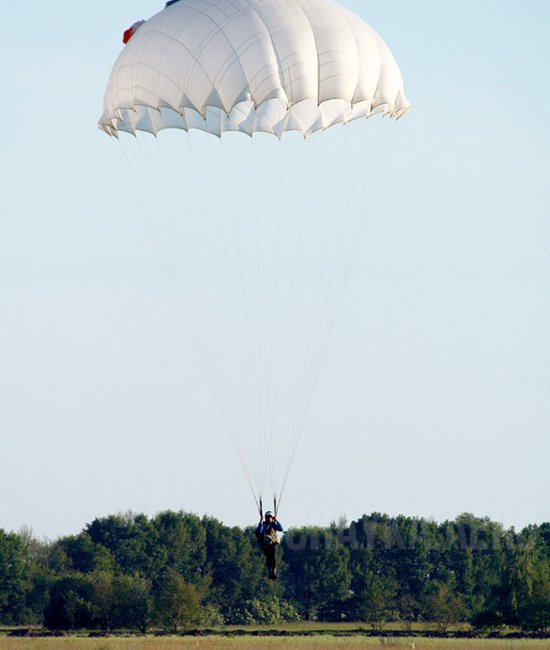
(258, 233)
(251, 65)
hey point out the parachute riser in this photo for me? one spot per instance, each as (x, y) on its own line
(260, 505)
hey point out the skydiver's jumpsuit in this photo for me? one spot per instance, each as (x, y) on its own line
(268, 540)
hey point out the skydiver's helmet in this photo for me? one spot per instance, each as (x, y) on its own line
(269, 514)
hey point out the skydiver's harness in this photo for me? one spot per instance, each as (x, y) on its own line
(268, 536)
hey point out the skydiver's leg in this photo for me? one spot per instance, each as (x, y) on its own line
(265, 551)
(271, 561)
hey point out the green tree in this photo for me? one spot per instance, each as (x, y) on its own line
(122, 602)
(39, 576)
(132, 602)
(317, 577)
(268, 611)
(443, 607)
(234, 566)
(133, 542)
(408, 608)
(409, 560)
(534, 613)
(521, 565)
(14, 578)
(177, 603)
(467, 539)
(71, 604)
(183, 539)
(402, 549)
(488, 620)
(79, 553)
(102, 600)
(376, 602)
(534, 610)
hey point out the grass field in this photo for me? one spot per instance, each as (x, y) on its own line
(267, 643)
(310, 635)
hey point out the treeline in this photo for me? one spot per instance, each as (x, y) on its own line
(178, 570)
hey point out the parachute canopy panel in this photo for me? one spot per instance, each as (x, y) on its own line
(251, 65)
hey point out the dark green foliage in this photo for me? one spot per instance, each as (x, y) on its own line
(183, 540)
(14, 578)
(443, 606)
(317, 576)
(132, 541)
(177, 603)
(121, 602)
(235, 567)
(489, 620)
(269, 611)
(79, 553)
(534, 613)
(177, 570)
(376, 602)
(71, 604)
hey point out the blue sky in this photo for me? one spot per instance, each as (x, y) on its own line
(437, 377)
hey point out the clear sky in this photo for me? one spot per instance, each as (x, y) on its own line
(434, 395)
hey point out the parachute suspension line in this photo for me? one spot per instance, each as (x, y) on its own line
(271, 213)
(367, 202)
(258, 275)
(272, 405)
(225, 216)
(244, 438)
(198, 324)
(307, 337)
(262, 433)
(218, 264)
(369, 195)
(247, 437)
(197, 321)
(323, 301)
(261, 221)
(329, 304)
(260, 507)
(224, 314)
(365, 199)
(292, 292)
(307, 298)
(294, 296)
(255, 431)
(152, 217)
(316, 309)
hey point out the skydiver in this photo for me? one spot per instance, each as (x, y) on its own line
(268, 538)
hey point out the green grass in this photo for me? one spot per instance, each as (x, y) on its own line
(337, 636)
(314, 626)
(266, 643)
